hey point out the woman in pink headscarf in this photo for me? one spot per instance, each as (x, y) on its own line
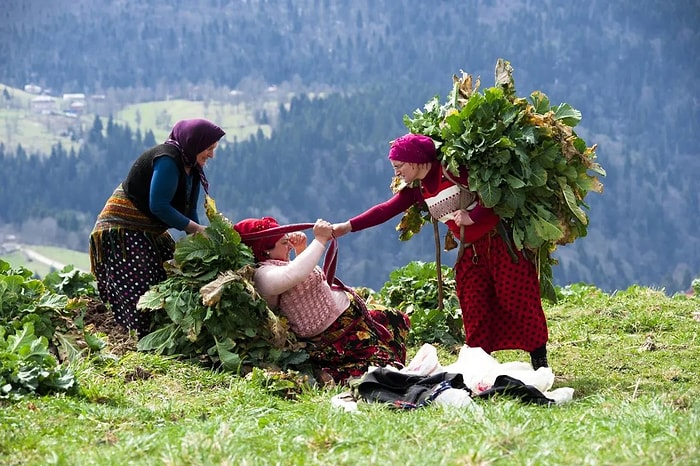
(130, 240)
(499, 294)
(344, 338)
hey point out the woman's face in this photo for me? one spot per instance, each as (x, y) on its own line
(406, 171)
(281, 250)
(206, 154)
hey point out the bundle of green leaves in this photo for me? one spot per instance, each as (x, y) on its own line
(414, 289)
(523, 158)
(27, 367)
(34, 318)
(208, 308)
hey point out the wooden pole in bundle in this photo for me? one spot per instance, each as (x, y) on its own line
(438, 265)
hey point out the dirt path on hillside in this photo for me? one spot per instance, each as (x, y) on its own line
(38, 257)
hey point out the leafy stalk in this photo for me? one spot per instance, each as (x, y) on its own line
(208, 307)
(525, 161)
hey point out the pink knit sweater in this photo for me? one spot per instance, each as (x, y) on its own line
(300, 290)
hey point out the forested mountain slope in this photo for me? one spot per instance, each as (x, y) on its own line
(630, 67)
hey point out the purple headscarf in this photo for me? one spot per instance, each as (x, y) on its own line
(192, 137)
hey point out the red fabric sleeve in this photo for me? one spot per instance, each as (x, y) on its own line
(484, 218)
(380, 213)
(480, 213)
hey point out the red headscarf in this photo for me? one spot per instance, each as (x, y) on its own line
(413, 148)
(247, 229)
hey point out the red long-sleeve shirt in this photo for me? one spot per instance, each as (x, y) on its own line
(431, 187)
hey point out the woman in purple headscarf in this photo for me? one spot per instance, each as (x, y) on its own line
(130, 240)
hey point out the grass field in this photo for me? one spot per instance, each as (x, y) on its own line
(34, 130)
(80, 260)
(236, 119)
(631, 357)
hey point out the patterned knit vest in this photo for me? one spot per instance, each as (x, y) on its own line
(309, 306)
(445, 200)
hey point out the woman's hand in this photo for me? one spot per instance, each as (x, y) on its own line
(323, 231)
(194, 227)
(461, 217)
(340, 229)
(298, 241)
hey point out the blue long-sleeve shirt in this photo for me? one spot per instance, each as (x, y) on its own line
(163, 187)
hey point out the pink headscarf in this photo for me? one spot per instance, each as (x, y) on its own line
(413, 148)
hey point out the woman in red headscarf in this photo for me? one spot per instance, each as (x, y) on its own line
(499, 294)
(344, 337)
(130, 240)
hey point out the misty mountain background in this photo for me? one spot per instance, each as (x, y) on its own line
(354, 68)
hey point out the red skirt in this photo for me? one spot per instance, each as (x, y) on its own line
(500, 300)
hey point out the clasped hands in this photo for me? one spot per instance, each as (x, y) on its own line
(323, 232)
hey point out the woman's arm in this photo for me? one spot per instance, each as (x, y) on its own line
(163, 187)
(380, 213)
(272, 280)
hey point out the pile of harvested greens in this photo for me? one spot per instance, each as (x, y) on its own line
(524, 159)
(208, 308)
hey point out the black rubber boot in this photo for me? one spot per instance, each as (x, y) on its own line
(538, 358)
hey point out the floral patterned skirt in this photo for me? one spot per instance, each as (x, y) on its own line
(361, 338)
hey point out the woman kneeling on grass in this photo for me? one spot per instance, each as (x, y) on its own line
(344, 338)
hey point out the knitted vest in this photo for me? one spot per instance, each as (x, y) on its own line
(446, 199)
(309, 306)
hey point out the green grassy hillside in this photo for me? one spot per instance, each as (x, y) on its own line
(236, 119)
(38, 126)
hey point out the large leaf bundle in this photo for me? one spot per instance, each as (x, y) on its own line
(524, 159)
(208, 308)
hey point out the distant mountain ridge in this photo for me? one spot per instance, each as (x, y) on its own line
(629, 67)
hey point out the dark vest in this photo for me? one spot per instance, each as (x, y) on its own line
(137, 184)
